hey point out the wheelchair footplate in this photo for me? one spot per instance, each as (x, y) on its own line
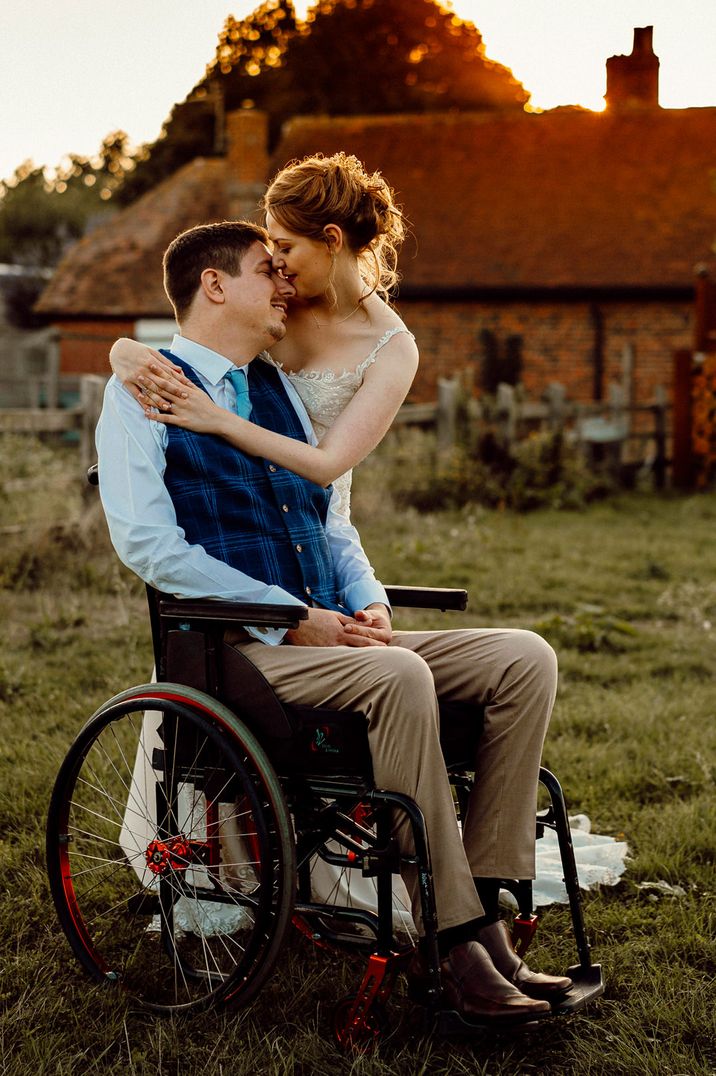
(587, 986)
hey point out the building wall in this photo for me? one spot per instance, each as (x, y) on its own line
(558, 341)
(84, 345)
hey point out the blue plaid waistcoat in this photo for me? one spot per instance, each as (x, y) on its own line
(252, 514)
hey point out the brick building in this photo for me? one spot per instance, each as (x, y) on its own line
(566, 234)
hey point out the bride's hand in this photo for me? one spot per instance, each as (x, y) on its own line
(140, 368)
(182, 404)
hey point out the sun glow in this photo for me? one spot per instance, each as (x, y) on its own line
(558, 49)
(154, 53)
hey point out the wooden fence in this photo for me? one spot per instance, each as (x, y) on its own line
(81, 419)
(627, 435)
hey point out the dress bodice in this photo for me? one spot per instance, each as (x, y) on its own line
(325, 394)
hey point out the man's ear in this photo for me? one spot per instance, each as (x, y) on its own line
(211, 285)
(333, 234)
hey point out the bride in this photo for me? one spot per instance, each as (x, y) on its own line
(336, 232)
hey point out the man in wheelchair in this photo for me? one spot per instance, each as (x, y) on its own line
(197, 518)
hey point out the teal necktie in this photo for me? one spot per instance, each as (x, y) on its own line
(239, 382)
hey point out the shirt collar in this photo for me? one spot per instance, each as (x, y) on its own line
(210, 364)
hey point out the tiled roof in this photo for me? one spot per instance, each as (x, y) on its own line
(565, 199)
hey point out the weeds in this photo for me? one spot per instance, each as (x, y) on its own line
(588, 630)
(543, 470)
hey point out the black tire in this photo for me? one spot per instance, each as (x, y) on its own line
(185, 901)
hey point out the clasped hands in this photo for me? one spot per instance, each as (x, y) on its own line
(367, 627)
(168, 396)
(176, 401)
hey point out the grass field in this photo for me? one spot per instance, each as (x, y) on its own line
(626, 591)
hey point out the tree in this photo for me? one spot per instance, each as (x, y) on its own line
(362, 56)
(350, 57)
(42, 212)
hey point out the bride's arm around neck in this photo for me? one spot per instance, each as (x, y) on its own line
(359, 428)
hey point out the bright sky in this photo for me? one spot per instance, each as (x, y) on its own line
(73, 70)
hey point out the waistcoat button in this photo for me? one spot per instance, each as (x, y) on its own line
(299, 549)
(272, 469)
(284, 508)
(308, 590)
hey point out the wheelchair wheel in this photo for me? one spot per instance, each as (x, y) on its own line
(170, 851)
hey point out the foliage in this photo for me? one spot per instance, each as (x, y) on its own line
(543, 469)
(257, 42)
(47, 526)
(41, 216)
(43, 213)
(633, 740)
(588, 630)
(20, 294)
(373, 56)
(350, 57)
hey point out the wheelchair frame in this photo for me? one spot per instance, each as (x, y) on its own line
(259, 759)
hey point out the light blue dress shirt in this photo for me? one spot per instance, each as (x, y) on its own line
(143, 524)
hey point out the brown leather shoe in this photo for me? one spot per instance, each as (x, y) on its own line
(496, 939)
(474, 988)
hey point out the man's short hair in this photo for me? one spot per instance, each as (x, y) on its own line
(208, 246)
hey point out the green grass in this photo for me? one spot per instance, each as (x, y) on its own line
(626, 592)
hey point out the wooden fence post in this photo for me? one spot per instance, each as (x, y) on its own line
(53, 370)
(659, 411)
(91, 396)
(506, 413)
(446, 418)
(682, 467)
(555, 397)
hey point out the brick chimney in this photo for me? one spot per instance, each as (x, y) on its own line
(633, 81)
(248, 161)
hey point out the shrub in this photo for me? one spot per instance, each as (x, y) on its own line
(543, 470)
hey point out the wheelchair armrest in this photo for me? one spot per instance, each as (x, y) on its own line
(245, 614)
(443, 598)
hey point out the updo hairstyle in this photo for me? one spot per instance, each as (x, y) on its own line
(308, 195)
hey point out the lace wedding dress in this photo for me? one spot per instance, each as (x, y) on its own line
(326, 394)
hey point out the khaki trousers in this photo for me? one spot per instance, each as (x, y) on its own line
(512, 673)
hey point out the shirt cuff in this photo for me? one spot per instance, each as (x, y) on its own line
(364, 592)
(274, 636)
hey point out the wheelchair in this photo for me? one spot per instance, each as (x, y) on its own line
(189, 816)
